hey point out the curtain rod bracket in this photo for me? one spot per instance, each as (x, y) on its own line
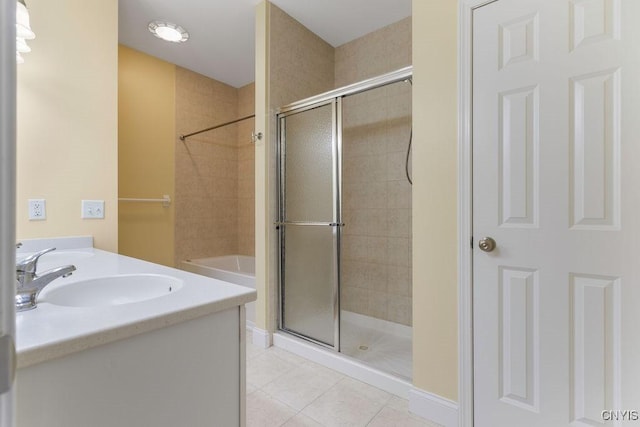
(255, 137)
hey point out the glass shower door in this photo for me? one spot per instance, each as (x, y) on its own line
(308, 223)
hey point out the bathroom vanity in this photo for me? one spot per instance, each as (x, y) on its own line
(165, 355)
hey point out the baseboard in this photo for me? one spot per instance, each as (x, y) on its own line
(433, 407)
(261, 338)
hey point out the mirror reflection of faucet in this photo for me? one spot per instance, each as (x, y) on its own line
(29, 283)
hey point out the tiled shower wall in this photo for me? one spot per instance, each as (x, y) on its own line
(376, 250)
(301, 63)
(380, 52)
(212, 216)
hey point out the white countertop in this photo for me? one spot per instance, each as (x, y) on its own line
(51, 331)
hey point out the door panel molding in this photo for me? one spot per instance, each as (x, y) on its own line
(519, 337)
(595, 346)
(518, 158)
(595, 126)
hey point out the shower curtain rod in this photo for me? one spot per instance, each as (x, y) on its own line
(183, 137)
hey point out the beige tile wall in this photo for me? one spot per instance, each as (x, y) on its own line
(210, 197)
(380, 52)
(376, 253)
(301, 64)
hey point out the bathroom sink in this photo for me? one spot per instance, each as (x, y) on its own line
(112, 290)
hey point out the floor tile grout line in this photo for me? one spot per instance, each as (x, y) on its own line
(300, 363)
(322, 394)
(262, 389)
(375, 415)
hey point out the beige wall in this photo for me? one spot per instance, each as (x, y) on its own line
(246, 176)
(146, 161)
(435, 241)
(67, 119)
(263, 176)
(376, 249)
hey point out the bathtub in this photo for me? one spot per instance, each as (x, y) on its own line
(238, 269)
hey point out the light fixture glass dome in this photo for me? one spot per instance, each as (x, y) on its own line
(22, 46)
(23, 27)
(168, 31)
(23, 31)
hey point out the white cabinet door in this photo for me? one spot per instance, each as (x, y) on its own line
(556, 184)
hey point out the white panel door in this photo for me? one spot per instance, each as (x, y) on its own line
(556, 184)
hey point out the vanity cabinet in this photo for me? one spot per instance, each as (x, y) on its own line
(185, 374)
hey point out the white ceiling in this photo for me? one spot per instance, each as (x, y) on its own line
(221, 43)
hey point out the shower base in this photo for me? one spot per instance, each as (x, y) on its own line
(385, 363)
(380, 344)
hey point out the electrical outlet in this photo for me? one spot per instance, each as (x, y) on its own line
(37, 209)
(92, 209)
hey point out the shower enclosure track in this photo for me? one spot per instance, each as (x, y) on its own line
(405, 73)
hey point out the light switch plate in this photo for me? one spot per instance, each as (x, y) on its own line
(92, 209)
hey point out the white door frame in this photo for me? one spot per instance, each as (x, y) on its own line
(7, 211)
(465, 213)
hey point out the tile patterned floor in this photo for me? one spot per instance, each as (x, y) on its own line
(286, 390)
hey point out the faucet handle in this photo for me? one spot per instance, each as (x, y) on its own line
(30, 263)
(18, 245)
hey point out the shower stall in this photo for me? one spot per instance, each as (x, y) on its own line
(344, 221)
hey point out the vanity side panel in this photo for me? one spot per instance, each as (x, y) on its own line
(185, 374)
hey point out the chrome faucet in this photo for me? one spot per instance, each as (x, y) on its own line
(29, 284)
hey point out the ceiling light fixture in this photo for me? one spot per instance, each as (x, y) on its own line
(23, 31)
(168, 31)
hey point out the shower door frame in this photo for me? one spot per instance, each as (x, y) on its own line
(332, 97)
(336, 150)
